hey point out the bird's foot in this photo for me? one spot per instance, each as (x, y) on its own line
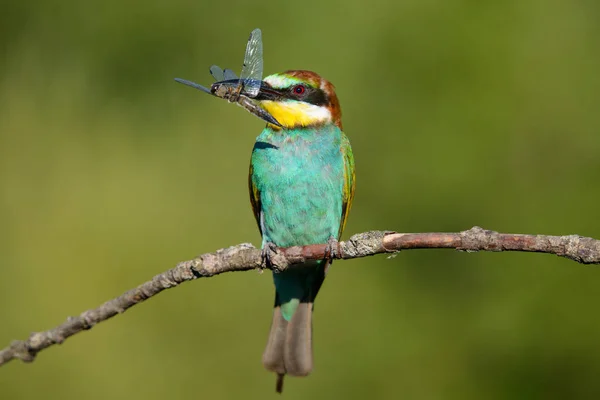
(267, 253)
(333, 249)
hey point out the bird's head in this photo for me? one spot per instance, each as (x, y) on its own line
(299, 99)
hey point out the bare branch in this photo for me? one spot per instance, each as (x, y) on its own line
(246, 257)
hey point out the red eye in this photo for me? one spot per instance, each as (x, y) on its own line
(299, 89)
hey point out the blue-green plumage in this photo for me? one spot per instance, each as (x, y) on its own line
(299, 174)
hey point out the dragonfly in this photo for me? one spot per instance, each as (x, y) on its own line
(230, 87)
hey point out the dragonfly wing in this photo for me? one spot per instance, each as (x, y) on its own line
(253, 64)
(229, 74)
(217, 73)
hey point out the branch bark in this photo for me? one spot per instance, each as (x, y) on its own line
(246, 257)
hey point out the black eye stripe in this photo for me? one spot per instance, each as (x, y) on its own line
(312, 96)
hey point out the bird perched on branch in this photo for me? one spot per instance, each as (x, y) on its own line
(301, 188)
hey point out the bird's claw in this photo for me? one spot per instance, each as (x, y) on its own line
(332, 249)
(267, 253)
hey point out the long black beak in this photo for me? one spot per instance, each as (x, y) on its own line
(266, 92)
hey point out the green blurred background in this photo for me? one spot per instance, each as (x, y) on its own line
(460, 113)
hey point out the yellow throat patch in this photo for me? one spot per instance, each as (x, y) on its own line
(293, 114)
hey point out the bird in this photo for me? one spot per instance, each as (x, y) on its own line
(301, 183)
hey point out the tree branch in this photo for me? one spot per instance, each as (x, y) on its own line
(246, 257)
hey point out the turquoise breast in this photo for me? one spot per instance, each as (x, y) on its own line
(299, 175)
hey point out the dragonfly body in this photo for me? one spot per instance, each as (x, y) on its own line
(228, 85)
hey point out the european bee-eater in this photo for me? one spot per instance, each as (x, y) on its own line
(301, 189)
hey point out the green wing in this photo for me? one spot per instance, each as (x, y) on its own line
(349, 181)
(254, 198)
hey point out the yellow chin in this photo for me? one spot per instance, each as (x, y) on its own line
(297, 113)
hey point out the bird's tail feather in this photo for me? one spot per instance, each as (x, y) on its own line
(289, 348)
(273, 355)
